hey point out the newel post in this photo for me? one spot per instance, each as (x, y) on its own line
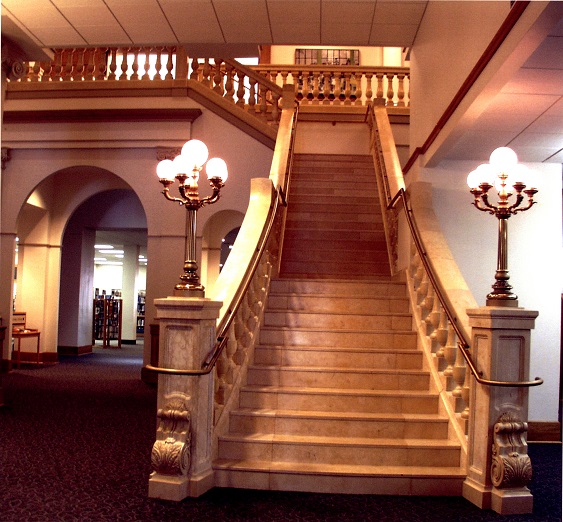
(181, 456)
(499, 467)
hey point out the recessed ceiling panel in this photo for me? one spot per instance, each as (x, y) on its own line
(142, 20)
(347, 12)
(399, 13)
(345, 34)
(244, 21)
(393, 35)
(193, 21)
(295, 22)
(536, 81)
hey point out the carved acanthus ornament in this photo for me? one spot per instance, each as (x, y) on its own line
(171, 451)
(511, 466)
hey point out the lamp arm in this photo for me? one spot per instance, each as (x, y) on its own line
(213, 198)
(488, 208)
(531, 202)
(167, 195)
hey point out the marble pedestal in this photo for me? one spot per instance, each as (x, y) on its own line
(498, 464)
(181, 456)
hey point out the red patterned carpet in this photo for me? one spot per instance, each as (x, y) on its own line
(75, 442)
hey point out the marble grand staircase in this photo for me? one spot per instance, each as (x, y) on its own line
(338, 397)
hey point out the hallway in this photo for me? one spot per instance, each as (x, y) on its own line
(75, 443)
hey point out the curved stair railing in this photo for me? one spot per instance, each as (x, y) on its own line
(245, 297)
(442, 324)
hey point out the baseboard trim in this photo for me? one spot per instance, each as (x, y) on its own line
(74, 350)
(539, 431)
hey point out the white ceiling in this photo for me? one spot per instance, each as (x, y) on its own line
(527, 113)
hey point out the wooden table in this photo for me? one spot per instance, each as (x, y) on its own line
(26, 333)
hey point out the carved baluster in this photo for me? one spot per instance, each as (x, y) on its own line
(284, 75)
(369, 87)
(147, 64)
(379, 92)
(315, 93)
(68, 66)
(218, 77)
(252, 96)
(57, 65)
(89, 64)
(450, 354)
(326, 88)
(229, 83)
(158, 63)
(358, 89)
(459, 379)
(305, 90)
(113, 64)
(124, 64)
(442, 339)
(401, 90)
(390, 91)
(409, 90)
(195, 69)
(426, 307)
(47, 70)
(100, 64)
(348, 88)
(275, 108)
(263, 105)
(170, 64)
(79, 65)
(206, 77)
(240, 90)
(135, 64)
(465, 396)
(434, 318)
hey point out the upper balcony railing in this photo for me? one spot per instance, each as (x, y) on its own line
(256, 89)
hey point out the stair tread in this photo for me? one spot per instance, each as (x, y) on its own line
(338, 349)
(339, 330)
(339, 469)
(339, 391)
(337, 369)
(342, 415)
(266, 438)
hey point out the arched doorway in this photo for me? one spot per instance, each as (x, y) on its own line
(115, 217)
(40, 225)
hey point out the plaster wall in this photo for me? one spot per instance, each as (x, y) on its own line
(86, 165)
(535, 258)
(450, 41)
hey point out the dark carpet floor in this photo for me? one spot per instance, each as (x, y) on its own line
(75, 442)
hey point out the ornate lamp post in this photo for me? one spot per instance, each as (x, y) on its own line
(185, 169)
(507, 176)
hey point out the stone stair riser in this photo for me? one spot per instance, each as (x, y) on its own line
(254, 397)
(349, 454)
(295, 337)
(337, 358)
(345, 380)
(245, 423)
(335, 304)
(350, 289)
(338, 321)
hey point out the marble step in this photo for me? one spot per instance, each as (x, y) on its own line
(307, 356)
(352, 451)
(366, 253)
(326, 399)
(352, 235)
(348, 268)
(383, 288)
(339, 424)
(342, 378)
(334, 304)
(330, 200)
(400, 340)
(321, 214)
(339, 320)
(339, 478)
(364, 209)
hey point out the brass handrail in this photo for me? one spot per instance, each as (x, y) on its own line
(463, 344)
(224, 325)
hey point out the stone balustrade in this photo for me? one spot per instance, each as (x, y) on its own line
(256, 89)
(342, 85)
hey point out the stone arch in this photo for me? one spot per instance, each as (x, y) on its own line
(40, 226)
(214, 230)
